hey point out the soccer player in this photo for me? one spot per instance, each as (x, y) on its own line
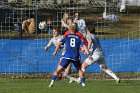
(56, 38)
(83, 39)
(76, 32)
(97, 54)
(72, 55)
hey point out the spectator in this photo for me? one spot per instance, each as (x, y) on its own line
(65, 22)
(81, 23)
(28, 25)
(49, 27)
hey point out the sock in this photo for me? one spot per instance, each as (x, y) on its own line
(109, 72)
(82, 80)
(54, 77)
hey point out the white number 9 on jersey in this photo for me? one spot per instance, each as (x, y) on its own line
(72, 42)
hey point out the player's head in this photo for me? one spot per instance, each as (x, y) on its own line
(91, 29)
(73, 27)
(56, 31)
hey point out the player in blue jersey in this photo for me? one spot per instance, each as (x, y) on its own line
(72, 55)
(97, 53)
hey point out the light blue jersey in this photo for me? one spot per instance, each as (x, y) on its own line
(95, 46)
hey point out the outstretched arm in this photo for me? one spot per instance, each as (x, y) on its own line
(57, 48)
(49, 45)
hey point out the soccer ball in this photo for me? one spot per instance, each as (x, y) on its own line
(42, 25)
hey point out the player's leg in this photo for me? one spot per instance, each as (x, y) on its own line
(102, 65)
(90, 60)
(63, 64)
(68, 71)
(60, 74)
(56, 72)
(86, 63)
(81, 75)
(77, 65)
(72, 79)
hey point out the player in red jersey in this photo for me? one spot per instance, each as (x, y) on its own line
(77, 33)
(68, 69)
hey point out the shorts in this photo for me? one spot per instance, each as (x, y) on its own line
(65, 62)
(97, 57)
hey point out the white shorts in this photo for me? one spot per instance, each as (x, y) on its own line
(97, 57)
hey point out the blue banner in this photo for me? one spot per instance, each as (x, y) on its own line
(29, 56)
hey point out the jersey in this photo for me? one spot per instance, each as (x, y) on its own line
(97, 52)
(95, 46)
(73, 44)
(77, 33)
(54, 42)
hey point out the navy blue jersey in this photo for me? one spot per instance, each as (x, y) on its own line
(72, 43)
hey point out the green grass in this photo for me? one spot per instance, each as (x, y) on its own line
(62, 86)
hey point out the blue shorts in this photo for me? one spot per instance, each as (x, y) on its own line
(65, 62)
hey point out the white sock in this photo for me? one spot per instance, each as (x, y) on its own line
(79, 79)
(52, 81)
(109, 72)
(66, 75)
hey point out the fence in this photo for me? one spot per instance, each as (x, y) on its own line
(119, 36)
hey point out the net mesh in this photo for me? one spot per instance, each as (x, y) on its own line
(23, 55)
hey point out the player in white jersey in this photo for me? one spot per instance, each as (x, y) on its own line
(96, 53)
(56, 38)
(54, 41)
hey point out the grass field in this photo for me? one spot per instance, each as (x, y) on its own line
(62, 86)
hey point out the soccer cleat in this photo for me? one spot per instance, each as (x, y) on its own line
(78, 80)
(71, 80)
(51, 85)
(83, 85)
(117, 80)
